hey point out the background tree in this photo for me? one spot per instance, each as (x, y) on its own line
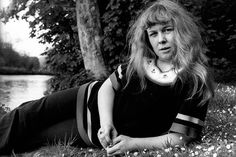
(89, 28)
(9, 58)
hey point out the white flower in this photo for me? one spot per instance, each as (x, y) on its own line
(182, 148)
(135, 153)
(211, 148)
(167, 149)
(228, 146)
(198, 147)
(214, 155)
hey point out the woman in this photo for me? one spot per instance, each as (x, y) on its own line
(158, 97)
(167, 74)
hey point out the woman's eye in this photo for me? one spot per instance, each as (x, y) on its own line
(168, 30)
(153, 34)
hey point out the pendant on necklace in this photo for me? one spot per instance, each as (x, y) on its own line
(165, 75)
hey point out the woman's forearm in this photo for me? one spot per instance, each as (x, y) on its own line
(124, 143)
(170, 139)
(105, 103)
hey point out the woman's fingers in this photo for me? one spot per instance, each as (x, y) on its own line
(117, 139)
(104, 138)
(113, 150)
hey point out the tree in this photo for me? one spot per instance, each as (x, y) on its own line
(89, 29)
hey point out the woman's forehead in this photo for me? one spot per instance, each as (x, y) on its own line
(155, 19)
(160, 25)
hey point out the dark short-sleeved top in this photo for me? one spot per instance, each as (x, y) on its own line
(158, 110)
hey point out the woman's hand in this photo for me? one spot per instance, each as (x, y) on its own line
(121, 144)
(106, 134)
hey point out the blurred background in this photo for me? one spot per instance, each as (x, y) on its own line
(40, 49)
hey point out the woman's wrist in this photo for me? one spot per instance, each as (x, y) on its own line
(106, 123)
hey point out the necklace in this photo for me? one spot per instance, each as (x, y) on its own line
(164, 71)
(154, 69)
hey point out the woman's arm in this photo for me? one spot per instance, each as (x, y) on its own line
(124, 143)
(106, 96)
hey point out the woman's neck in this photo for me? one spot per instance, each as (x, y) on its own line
(164, 66)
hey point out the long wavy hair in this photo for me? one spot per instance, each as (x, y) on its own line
(190, 48)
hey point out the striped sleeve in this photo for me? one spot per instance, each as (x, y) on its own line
(190, 118)
(117, 76)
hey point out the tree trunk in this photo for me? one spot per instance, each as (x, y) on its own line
(89, 29)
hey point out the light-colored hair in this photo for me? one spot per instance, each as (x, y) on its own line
(190, 48)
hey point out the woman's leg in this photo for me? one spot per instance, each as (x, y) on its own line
(33, 117)
(63, 132)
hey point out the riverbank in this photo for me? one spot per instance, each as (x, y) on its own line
(22, 71)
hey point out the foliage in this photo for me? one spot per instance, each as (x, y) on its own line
(116, 21)
(219, 19)
(11, 58)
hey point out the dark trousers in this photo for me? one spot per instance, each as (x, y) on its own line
(40, 122)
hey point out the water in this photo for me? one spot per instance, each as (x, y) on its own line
(16, 89)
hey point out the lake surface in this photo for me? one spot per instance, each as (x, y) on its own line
(16, 89)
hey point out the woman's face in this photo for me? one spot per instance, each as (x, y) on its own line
(161, 37)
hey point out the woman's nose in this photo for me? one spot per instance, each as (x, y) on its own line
(161, 38)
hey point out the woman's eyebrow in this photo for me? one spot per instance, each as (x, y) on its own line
(168, 25)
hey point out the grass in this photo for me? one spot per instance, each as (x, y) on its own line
(218, 138)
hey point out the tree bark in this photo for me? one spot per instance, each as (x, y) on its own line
(89, 29)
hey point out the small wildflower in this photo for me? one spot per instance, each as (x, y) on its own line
(158, 155)
(182, 148)
(135, 153)
(198, 147)
(168, 149)
(211, 148)
(176, 155)
(217, 148)
(145, 150)
(177, 146)
(196, 153)
(228, 146)
(90, 150)
(181, 138)
(214, 155)
(206, 153)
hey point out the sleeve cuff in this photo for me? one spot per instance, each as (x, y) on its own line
(186, 130)
(114, 81)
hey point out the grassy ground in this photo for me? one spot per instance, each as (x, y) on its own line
(218, 139)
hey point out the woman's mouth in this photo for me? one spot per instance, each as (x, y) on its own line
(164, 49)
